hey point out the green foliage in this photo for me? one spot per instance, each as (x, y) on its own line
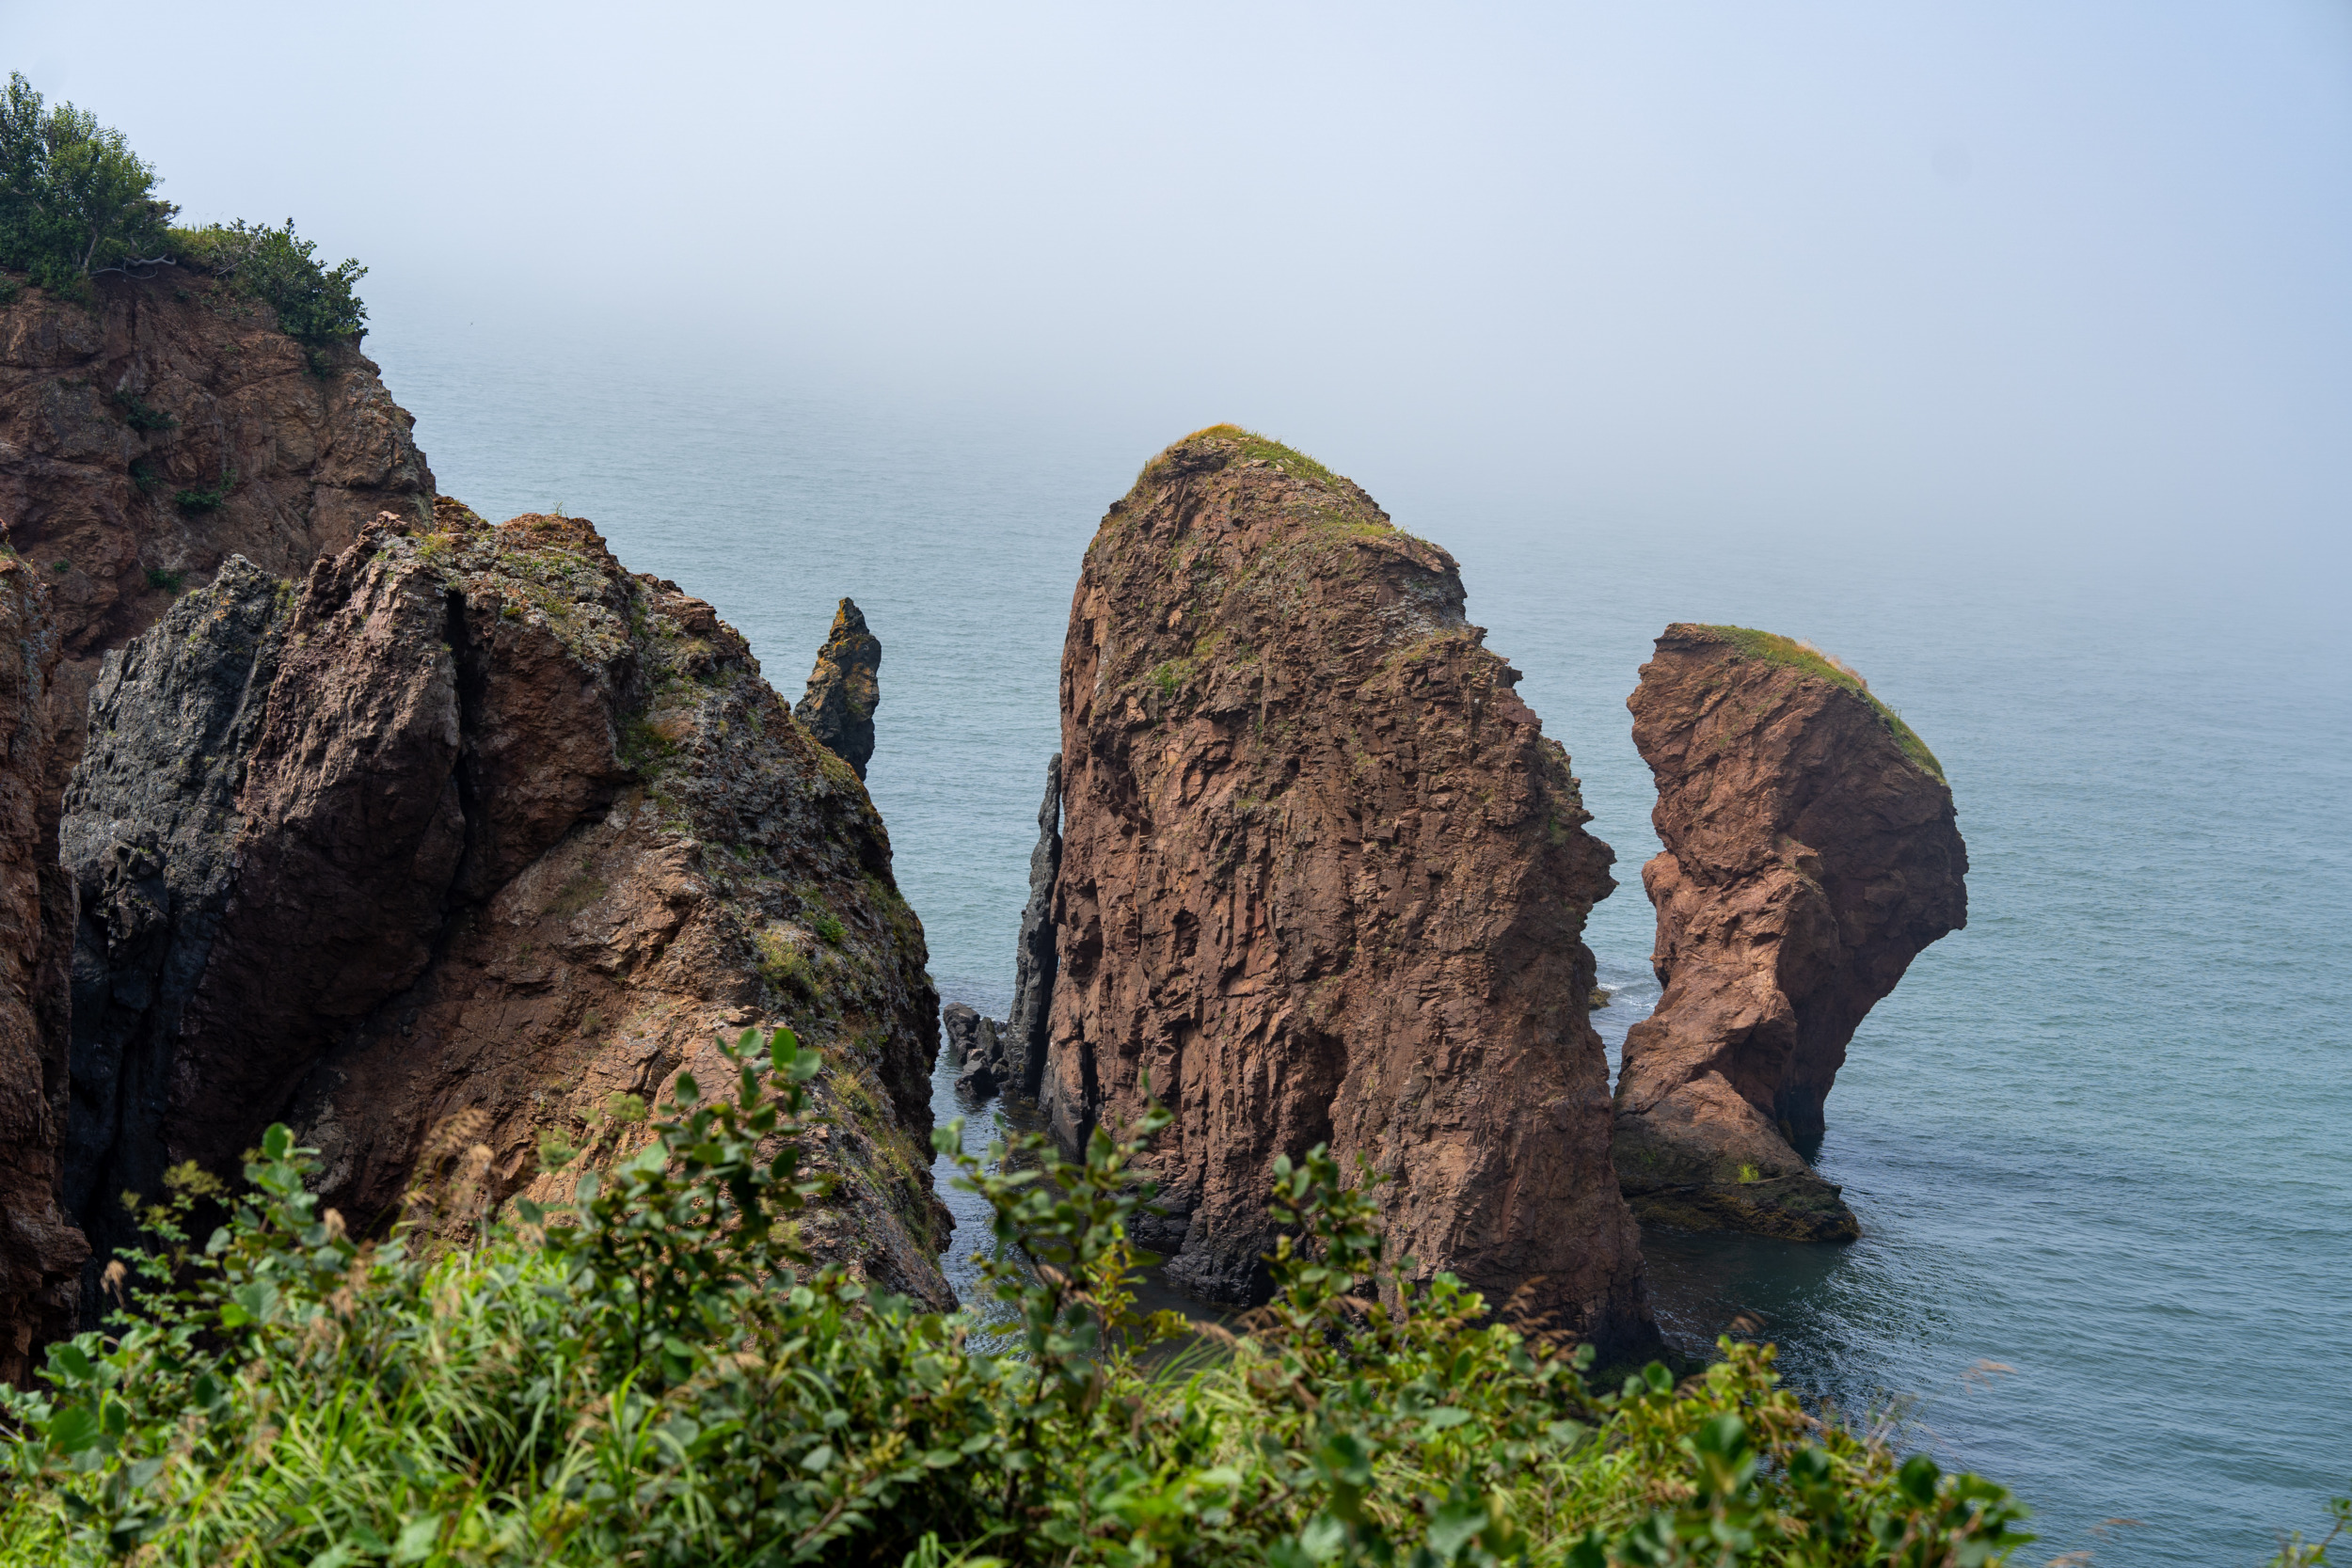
(656, 1374)
(164, 579)
(1773, 648)
(74, 199)
(209, 498)
(829, 929)
(140, 415)
(315, 305)
(2295, 1552)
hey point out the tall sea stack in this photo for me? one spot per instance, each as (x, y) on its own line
(844, 689)
(1811, 852)
(1323, 880)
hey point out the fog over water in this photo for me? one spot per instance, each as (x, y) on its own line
(2004, 350)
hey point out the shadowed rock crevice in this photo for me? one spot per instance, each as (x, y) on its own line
(1811, 852)
(1323, 877)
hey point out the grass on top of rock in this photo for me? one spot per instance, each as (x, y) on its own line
(654, 1375)
(1773, 648)
(1295, 464)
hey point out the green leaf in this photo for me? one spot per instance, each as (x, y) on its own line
(1457, 1525)
(75, 1430)
(818, 1458)
(416, 1539)
(70, 1358)
(278, 1141)
(1917, 1479)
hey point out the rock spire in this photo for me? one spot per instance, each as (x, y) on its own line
(1323, 880)
(1811, 852)
(844, 689)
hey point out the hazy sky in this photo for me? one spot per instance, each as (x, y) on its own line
(2013, 268)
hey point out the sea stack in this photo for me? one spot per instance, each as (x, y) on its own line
(475, 828)
(1323, 880)
(844, 689)
(1811, 852)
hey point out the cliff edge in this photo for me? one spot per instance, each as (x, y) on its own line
(1811, 852)
(1323, 880)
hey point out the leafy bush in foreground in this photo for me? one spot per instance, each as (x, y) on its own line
(657, 1376)
(316, 305)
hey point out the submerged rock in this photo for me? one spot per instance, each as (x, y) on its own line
(844, 689)
(1323, 880)
(477, 830)
(1811, 852)
(40, 1250)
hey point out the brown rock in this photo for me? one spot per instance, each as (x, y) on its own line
(1810, 854)
(170, 387)
(480, 830)
(41, 1251)
(1323, 878)
(844, 689)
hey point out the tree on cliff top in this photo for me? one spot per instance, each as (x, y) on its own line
(74, 199)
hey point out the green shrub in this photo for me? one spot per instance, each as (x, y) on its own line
(139, 414)
(163, 577)
(74, 199)
(656, 1375)
(208, 498)
(315, 305)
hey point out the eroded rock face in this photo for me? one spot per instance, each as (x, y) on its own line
(41, 1251)
(1323, 878)
(844, 689)
(1029, 1029)
(118, 423)
(1811, 852)
(477, 824)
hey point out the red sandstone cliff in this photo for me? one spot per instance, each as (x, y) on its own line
(1323, 880)
(476, 823)
(40, 1252)
(121, 422)
(1810, 854)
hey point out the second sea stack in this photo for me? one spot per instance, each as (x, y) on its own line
(1811, 852)
(1323, 880)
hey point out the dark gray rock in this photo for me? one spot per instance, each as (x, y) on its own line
(149, 820)
(959, 1030)
(984, 1072)
(844, 689)
(1034, 965)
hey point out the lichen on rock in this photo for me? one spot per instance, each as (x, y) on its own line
(510, 837)
(1811, 852)
(1323, 880)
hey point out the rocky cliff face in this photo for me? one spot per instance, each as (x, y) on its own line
(40, 1252)
(1811, 852)
(1323, 878)
(844, 689)
(147, 439)
(476, 829)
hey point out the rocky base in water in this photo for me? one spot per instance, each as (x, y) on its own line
(1810, 854)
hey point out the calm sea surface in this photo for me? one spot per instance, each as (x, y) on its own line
(2100, 1142)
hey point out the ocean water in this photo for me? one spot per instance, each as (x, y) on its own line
(2100, 1142)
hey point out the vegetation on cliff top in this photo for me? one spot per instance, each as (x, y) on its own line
(657, 1376)
(1774, 649)
(76, 201)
